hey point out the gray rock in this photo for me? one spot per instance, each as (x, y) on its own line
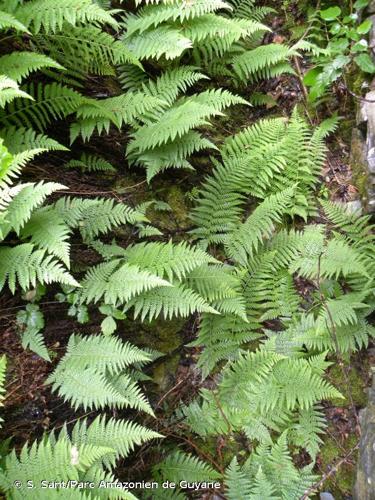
(354, 207)
(364, 488)
(326, 496)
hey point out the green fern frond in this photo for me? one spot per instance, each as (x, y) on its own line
(3, 367)
(260, 61)
(25, 201)
(153, 16)
(98, 115)
(91, 374)
(169, 301)
(52, 101)
(40, 15)
(167, 260)
(32, 339)
(47, 230)
(7, 20)
(118, 283)
(181, 466)
(9, 90)
(19, 65)
(26, 266)
(91, 163)
(97, 216)
(45, 461)
(119, 435)
(162, 41)
(237, 484)
(246, 239)
(20, 139)
(86, 49)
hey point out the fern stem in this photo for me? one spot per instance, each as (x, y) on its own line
(333, 333)
(332, 470)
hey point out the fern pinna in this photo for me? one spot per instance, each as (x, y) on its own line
(87, 452)
(216, 38)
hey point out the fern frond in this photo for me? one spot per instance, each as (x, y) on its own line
(52, 102)
(169, 301)
(21, 139)
(259, 62)
(119, 435)
(26, 266)
(9, 90)
(117, 282)
(47, 230)
(162, 41)
(167, 260)
(18, 65)
(246, 239)
(98, 115)
(86, 49)
(32, 339)
(185, 467)
(41, 14)
(97, 216)
(91, 374)
(7, 20)
(153, 16)
(237, 484)
(91, 163)
(26, 200)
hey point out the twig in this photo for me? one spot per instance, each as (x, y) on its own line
(333, 333)
(327, 475)
(303, 87)
(168, 392)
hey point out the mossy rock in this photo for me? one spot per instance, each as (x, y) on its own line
(341, 483)
(358, 163)
(357, 387)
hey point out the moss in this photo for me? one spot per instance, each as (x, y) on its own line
(163, 373)
(163, 336)
(357, 387)
(341, 483)
(358, 164)
(177, 202)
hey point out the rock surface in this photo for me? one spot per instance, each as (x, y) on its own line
(364, 488)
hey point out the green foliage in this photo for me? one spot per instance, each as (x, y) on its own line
(268, 473)
(92, 374)
(3, 367)
(31, 322)
(183, 467)
(209, 36)
(264, 159)
(86, 453)
(269, 344)
(339, 42)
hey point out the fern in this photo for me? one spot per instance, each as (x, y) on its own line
(162, 41)
(262, 62)
(40, 14)
(167, 260)
(91, 374)
(9, 90)
(54, 102)
(18, 65)
(91, 163)
(3, 367)
(25, 266)
(118, 283)
(120, 435)
(246, 239)
(183, 467)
